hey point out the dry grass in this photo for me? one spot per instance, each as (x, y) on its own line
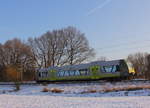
(116, 89)
(89, 91)
(56, 90)
(45, 90)
(103, 90)
(53, 90)
(92, 91)
(128, 88)
(17, 86)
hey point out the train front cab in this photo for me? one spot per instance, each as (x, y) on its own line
(124, 71)
(116, 69)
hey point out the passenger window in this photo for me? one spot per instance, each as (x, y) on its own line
(114, 69)
(39, 74)
(77, 73)
(72, 73)
(83, 72)
(109, 69)
(60, 73)
(117, 68)
(66, 73)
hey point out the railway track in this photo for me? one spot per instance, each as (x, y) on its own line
(76, 82)
(21, 83)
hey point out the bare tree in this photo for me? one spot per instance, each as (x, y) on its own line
(15, 53)
(1, 63)
(139, 63)
(147, 74)
(1, 55)
(49, 48)
(56, 42)
(60, 47)
(77, 49)
(54, 48)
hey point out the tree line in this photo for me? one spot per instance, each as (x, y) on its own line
(67, 46)
(19, 60)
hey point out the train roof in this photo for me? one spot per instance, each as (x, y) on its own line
(103, 63)
(86, 65)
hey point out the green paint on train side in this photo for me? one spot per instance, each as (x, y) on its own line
(95, 73)
(74, 78)
(52, 74)
(88, 77)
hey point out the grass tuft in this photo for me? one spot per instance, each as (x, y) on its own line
(128, 88)
(89, 91)
(56, 90)
(45, 90)
(17, 86)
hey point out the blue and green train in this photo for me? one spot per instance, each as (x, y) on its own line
(116, 69)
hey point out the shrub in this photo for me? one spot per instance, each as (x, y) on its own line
(12, 73)
(89, 91)
(128, 88)
(17, 86)
(92, 91)
(56, 90)
(45, 90)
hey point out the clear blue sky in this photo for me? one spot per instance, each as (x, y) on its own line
(114, 28)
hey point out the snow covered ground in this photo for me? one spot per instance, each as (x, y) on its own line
(15, 101)
(75, 96)
(79, 90)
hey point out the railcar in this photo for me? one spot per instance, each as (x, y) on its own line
(90, 71)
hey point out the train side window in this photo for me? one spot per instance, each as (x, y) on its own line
(114, 68)
(109, 69)
(46, 74)
(72, 73)
(117, 68)
(77, 73)
(83, 72)
(66, 73)
(60, 74)
(42, 74)
(39, 74)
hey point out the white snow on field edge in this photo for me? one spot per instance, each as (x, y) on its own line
(76, 90)
(17, 101)
(30, 96)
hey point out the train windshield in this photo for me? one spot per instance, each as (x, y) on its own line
(110, 69)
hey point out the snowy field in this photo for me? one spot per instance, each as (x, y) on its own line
(75, 96)
(79, 89)
(17, 101)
